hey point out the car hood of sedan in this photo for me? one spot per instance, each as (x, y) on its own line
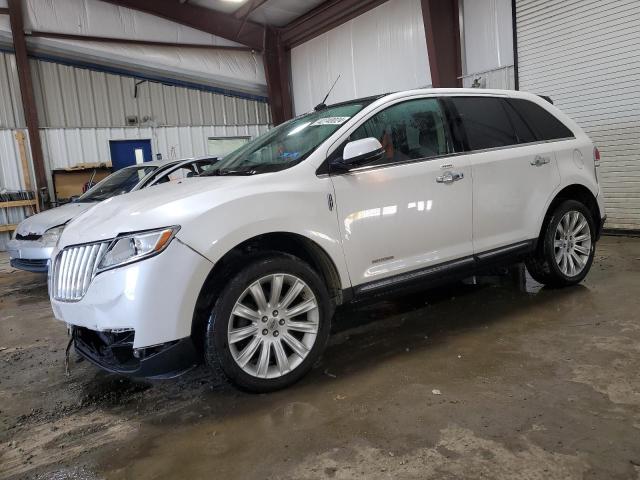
(41, 222)
(170, 204)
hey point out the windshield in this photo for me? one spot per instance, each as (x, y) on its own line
(184, 170)
(117, 183)
(287, 144)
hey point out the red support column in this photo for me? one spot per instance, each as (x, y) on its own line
(442, 29)
(277, 66)
(26, 91)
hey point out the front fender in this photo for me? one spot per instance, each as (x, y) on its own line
(306, 213)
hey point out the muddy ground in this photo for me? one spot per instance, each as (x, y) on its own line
(498, 380)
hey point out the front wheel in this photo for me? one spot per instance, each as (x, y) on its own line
(269, 325)
(565, 254)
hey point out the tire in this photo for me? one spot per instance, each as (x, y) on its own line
(239, 342)
(560, 260)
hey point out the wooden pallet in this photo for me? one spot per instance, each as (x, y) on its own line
(16, 204)
(33, 204)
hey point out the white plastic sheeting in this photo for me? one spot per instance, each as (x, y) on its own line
(488, 35)
(273, 12)
(233, 70)
(382, 50)
(93, 17)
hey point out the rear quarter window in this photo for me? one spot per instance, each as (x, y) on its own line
(543, 124)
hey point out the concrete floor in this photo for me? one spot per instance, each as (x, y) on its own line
(497, 380)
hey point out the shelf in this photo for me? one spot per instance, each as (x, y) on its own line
(18, 203)
(15, 204)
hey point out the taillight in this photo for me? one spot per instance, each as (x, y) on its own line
(596, 162)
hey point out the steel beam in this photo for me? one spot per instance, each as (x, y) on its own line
(244, 11)
(324, 17)
(216, 23)
(93, 38)
(277, 66)
(443, 41)
(26, 91)
(248, 8)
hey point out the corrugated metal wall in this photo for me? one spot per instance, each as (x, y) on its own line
(75, 97)
(68, 96)
(585, 55)
(65, 147)
(10, 177)
(11, 115)
(81, 110)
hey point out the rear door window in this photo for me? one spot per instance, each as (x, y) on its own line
(484, 121)
(544, 124)
(523, 131)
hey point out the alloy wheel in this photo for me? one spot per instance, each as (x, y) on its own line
(273, 325)
(572, 243)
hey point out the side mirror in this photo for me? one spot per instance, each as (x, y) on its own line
(360, 152)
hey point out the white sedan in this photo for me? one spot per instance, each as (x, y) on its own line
(33, 241)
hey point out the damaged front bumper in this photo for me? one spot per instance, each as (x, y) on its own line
(114, 352)
(30, 255)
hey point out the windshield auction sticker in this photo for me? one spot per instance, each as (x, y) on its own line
(330, 121)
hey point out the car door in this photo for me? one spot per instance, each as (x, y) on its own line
(513, 174)
(410, 211)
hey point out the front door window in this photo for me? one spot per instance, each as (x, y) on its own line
(408, 131)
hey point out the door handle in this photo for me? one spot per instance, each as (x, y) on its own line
(450, 177)
(539, 160)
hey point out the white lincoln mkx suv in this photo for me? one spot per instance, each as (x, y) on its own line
(243, 267)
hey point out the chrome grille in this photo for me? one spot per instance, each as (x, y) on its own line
(74, 269)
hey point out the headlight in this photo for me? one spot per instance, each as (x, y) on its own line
(53, 234)
(136, 246)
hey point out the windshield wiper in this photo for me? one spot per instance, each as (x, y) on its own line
(238, 172)
(222, 172)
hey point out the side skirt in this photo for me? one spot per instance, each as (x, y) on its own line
(444, 272)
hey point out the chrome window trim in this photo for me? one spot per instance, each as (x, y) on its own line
(449, 155)
(336, 144)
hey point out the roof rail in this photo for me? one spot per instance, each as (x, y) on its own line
(547, 98)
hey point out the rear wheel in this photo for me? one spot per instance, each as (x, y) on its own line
(269, 325)
(567, 246)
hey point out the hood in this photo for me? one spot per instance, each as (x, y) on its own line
(41, 222)
(173, 203)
